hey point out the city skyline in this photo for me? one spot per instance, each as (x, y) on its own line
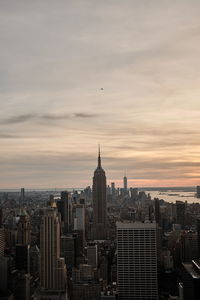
(76, 74)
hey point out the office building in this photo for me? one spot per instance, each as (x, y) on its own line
(4, 269)
(137, 261)
(2, 241)
(113, 190)
(52, 266)
(198, 191)
(1, 217)
(134, 193)
(180, 213)
(99, 203)
(85, 284)
(22, 198)
(157, 211)
(190, 276)
(125, 181)
(188, 246)
(79, 217)
(22, 257)
(64, 208)
(24, 229)
(68, 250)
(198, 236)
(92, 254)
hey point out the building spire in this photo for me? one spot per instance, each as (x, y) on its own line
(99, 159)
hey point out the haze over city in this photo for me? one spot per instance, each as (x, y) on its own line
(124, 74)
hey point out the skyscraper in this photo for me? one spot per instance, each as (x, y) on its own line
(180, 213)
(198, 236)
(157, 211)
(113, 190)
(22, 198)
(1, 217)
(79, 224)
(137, 261)
(125, 183)
(64, 208)
(99, 203)
(24, 229)
(2, 241)
(198, 191)
(52, 266)
(92, 255)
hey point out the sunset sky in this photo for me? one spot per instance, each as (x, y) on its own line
(76, 73)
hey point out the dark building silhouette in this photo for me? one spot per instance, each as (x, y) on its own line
(99, 203)
(2, 241)
(23, 257)
(151, 213)
(191, 280)
(24, 229)
(64, 209)
(125, 182)
(157, 211)
(22, 197)
(198, 191)
(198, 236)
(180, 213)
(1, 217)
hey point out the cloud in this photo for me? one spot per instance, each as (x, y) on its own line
(85, 115)
(55, 117)
(19, 119)
(47, 117)
(8, 136)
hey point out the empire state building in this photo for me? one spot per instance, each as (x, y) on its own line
(99, 203)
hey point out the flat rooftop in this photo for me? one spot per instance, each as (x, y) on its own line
(136, 225)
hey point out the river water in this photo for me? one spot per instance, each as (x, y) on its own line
(175, 195)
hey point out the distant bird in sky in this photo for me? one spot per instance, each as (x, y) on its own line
(101, 89)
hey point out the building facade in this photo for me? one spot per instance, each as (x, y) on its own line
(52, 266)
(137, 261)
(99, 203)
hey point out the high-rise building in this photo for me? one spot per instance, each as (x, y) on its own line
(68, 250)
(79, 224)
(2, 234)
(125, 180)
(113, 190)
(180, 213)
(99, 203)
(190, 277)
(198, 191)
(134, 193)
(64, 207)
(157, 211)
(198, 236)
(52, 266)
(4, 262)
(137, 261)
(1, 217)
(2, 241)
(92, 255)
(188, 246)
(79, 217)
(22, 197)
(24, 229)
(22, 257)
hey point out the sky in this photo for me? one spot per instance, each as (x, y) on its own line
(78, 73)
